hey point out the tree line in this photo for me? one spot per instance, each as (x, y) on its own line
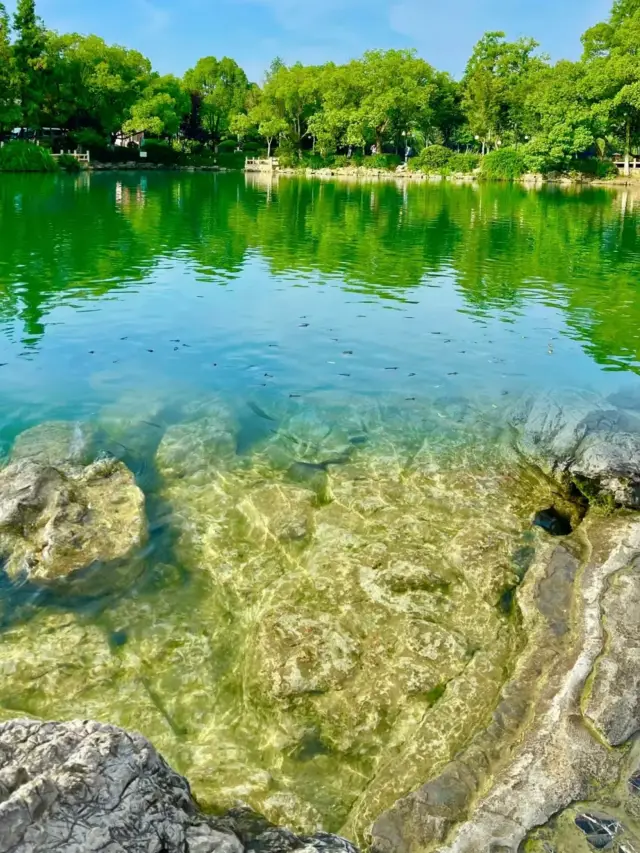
(510, 96)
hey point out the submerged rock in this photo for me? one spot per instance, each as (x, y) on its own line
(54, 522)
(56, 443)
(86, 786)
(539, 756)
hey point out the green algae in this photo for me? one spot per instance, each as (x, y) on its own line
(316, 652)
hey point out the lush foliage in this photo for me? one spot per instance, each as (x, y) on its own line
(374, 109)
(69, 163)
(503, 164)
(25, 157)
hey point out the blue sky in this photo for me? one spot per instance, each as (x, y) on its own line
(174, 33)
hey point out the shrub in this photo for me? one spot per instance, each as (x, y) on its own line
(88, 139)
(161, 152)
(69, 163)
(434, 158)
(227, 146)
(463, 164)
(601, 169)
(503, 164)
(341, 161)
(21, 156)
(382, 161)
(289, 159)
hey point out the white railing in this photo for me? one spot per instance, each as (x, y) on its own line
(81, 158)
(255, 164)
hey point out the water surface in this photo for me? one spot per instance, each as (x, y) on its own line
(311, 383)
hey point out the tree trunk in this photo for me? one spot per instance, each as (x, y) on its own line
(627, 150)
(269, 141)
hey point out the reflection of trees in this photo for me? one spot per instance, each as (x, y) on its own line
(64, 240)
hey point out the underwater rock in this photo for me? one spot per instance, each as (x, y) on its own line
(580, 436)
(194, 449)
(548, 757)
(84, 786)
(57, 443)
(53, 523)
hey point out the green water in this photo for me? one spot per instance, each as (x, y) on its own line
(311, 383)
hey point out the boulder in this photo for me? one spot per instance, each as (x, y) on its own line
(581, 437)
(540, 755)
(54, 522)
(81, 786)
(54, 443)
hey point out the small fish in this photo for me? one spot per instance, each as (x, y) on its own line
(273, 345)
(412, 374)
(175, 349)
(268, 376)
(448, 341)
(347, 352)
(3, 363)
(186, 345)
(453, 373)
(115, 361)
(149, 350)
(303, 325)
(294, 396)
(175, 341)
(344, 374)
(362, 315)
(255, 408)
(410, 398)
(152, 424)
(391, 368)
(463, 352)
(126, 337)
(92, 352)
(358, 439)
(436, 333)
(199, 297)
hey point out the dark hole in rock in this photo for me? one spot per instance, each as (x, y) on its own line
(599, 829)
(553, 522)
(118, 638)
(507, 600)
(310, 746)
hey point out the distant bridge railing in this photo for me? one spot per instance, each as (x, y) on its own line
(634, 162)
(255, 164)
(81, 158)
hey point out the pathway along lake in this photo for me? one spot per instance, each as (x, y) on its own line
(311, 383)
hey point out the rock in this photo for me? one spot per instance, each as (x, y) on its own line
(54, 522)
(538, 755)
(81, 786)
(582, 437)
(614, 699)
(54, 443)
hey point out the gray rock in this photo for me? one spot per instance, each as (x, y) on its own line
(55, 522)
(614, 699)
(82, 786)
(585, 437)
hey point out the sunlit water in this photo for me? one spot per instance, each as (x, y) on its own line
(311, 383)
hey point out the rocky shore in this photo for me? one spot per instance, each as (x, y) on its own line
(499, 713)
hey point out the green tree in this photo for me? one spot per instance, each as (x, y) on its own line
(219, 87)
(28, 51)
(9, 107)
(497, 79)
(612, 61)
(161, 107)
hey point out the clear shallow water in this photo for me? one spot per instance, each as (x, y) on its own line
(308, 381)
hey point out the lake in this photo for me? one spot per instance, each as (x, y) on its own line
(311, 382)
